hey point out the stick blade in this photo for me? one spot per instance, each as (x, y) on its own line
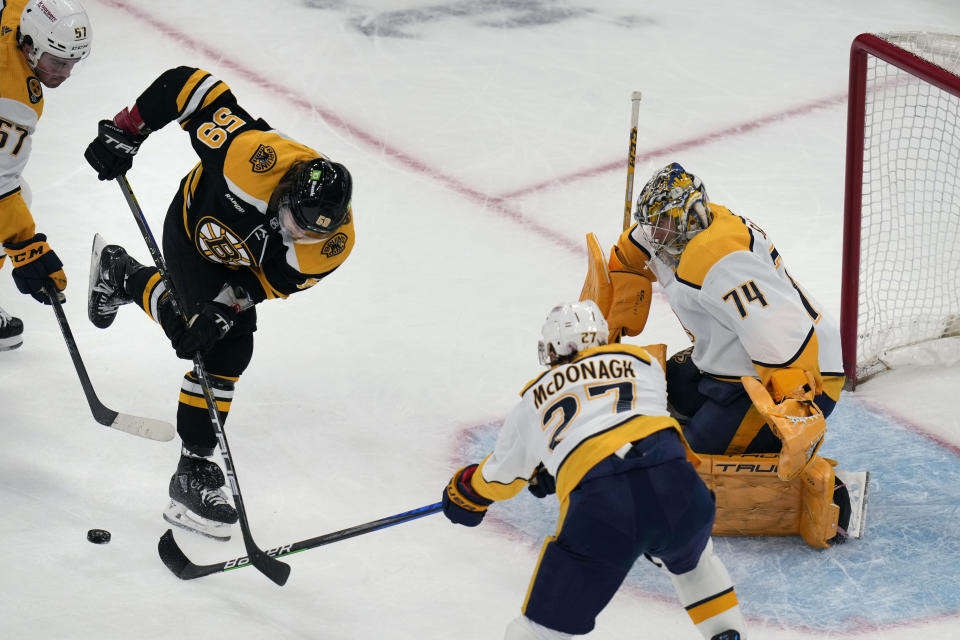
(277, 571)
(149, 428)
(172, 556)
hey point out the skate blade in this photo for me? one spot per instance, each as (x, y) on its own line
(95, 252)
(180, 516)
(98, 244)
(858, 484)
(9, 344)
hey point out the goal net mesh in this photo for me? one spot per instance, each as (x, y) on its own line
(909, 276)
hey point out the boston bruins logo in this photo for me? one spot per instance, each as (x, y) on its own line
(219, 244)
(335, 245)
(34, 90)
(263, 159)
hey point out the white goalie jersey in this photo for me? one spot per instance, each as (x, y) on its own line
(574, 415)
(743, 311)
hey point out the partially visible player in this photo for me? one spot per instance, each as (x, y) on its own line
(260, 217)
(40, 42)
(597, 422)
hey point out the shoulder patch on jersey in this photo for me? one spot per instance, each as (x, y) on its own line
(263, 159)
(335, 245)
(34, 89)
(5, 30)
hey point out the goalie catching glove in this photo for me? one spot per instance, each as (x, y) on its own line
(794, 418)
(621, 291)
(461, 504)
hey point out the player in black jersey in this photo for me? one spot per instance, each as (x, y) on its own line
(260, 216)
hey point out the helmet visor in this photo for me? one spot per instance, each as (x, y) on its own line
(320, 199)
(289, 224)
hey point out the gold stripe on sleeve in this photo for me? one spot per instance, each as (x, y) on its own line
(184, 96)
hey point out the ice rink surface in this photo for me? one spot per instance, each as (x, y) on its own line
(486, 138)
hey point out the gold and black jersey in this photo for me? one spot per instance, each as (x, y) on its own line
(21, 105)
(225, 196)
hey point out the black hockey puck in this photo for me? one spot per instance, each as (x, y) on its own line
(98, 536)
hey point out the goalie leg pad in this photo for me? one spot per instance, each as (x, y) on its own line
(820, 516)
(753, 501)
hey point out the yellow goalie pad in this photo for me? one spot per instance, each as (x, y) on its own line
(753, 501)
(597, 285)
(622, 293)
(796, 420)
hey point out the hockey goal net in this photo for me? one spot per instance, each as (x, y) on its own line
(901, 252)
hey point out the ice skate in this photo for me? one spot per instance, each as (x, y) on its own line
(850, 494)
(727, 635)
(197, 500)
(11, 331)
(110, 266)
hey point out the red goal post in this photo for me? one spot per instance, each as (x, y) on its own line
(901, 246)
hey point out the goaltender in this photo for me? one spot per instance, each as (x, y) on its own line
(765, 368)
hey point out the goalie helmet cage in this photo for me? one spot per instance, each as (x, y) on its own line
(901, 245)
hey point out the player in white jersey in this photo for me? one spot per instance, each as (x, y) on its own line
(747, 317)
(40, 42)
(597, 420)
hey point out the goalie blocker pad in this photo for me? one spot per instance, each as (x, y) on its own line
(753, 501)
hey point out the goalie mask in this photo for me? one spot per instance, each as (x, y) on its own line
(58, 28)
(319, 197)
(571, 328)
(672, 209)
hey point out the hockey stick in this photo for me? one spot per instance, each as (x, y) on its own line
(135, 425)
(181, 566)
(631, 158)
(268, 566)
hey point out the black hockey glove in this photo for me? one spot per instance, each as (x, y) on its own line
(201, 333)
(461, 504)
(111, 152)
(541, 483)
(35, 264)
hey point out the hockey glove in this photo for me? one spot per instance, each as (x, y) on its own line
(34, 263)
(541, 483)
(201, 332)
(796, 420)
(111, 152)
(461, 504)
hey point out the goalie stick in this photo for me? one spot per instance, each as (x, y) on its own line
(181, 566)
(267, 565)
(134, 425)
(631, 157)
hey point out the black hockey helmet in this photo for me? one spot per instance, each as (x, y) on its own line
(320, 196)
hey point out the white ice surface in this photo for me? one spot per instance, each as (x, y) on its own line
(486, 137)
